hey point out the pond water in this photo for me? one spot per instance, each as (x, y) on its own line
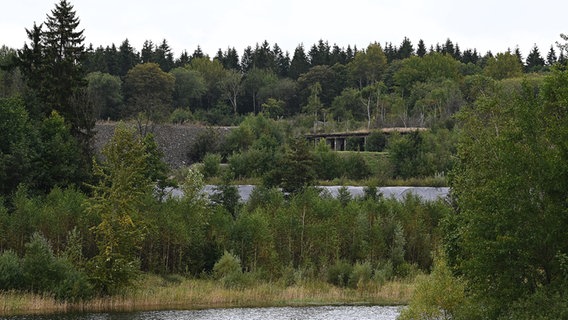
(398, 193)
(281, 313)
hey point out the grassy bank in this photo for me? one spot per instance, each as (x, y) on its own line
(156, 293)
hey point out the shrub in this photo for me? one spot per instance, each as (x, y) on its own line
(361, 275)
(384, 272)
(75, 285)
(356, 166)
(211, 165)
(39, 265)
(376, 142)
(227, 265)
(181, 115)
(437, 296)
(339, 273)
(327, 163)
(207, 141)
(11, 274)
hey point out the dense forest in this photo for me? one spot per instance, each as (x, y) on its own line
(77, 224)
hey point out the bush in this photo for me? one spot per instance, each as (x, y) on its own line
(75, 285)
(43, 272)
(327, 163)
(361, 275)
(180, 115)
(376, 142)
(11, 274)
(40, 269)
(228, 265)
(211, 165)
(207, 141)
(438, 296)
(356, 166)
(384, 273)
(339, 273)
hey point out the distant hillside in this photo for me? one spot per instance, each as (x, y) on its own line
(174, 140)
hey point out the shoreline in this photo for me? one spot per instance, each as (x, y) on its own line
(190, 294)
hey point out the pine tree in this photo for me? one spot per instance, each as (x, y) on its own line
(519, 55)
(232, 59)
(183, 59)
(319, 55)
(281, 60)
(299, 64)
(551, 57)
(421, 51)
(147, 53)
(31, 63)
(247, 60)
(164, 56)
(127, 58)
(534, 60)
(111, 58)
(338, 55)
(65, 53)
(406, 49)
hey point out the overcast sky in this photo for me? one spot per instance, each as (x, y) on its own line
(482, 24)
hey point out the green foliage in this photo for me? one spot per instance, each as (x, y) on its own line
(44, 272)
(339, 274)
(328, 164)
(504, 65)
(117, 200)
(229, 272)
(104, 92)
(438, 296)
(376, 142)
(148, 92)
(60, 162)
(433, 66)
(510, 188)
(211, 165)
(181, 116)
(295, 172)
(189, 87)
(11, 273)
(361, 275)
(207, 141)
(16, 151)
(355, 166)
(227, 195)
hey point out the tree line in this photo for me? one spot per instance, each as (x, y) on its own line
(74, 225)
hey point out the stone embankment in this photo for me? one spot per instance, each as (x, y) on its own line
(175, 141)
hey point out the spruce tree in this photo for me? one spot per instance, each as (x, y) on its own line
(406, 49)
(421, 51)
(147, 53)
(65, 54)
(299, 64)
(127, 58)
(534, 60)
(551, 57)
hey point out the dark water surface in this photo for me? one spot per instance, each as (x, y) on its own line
(285, 313)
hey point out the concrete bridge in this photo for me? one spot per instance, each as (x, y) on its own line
(338, 140)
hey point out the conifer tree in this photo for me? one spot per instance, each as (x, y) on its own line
(534, 60)
(551, 57)
(147, 53)
(127, 58)
(406, 49)
(299, 64)
(65, 53)
(421, 51)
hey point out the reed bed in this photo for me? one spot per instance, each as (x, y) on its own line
(155, 293)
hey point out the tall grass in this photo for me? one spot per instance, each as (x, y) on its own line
(157, 293)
